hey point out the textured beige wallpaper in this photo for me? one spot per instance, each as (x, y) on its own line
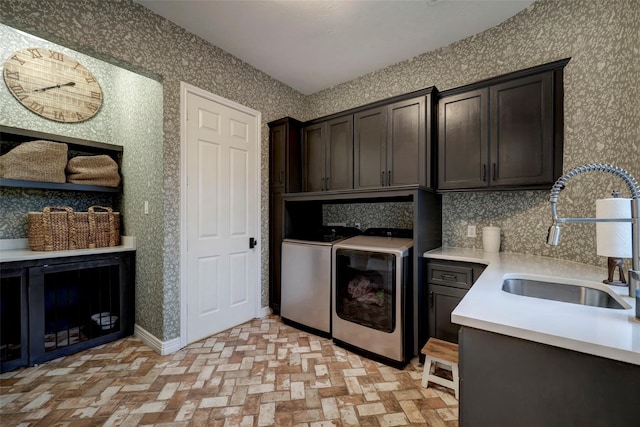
(602, 112)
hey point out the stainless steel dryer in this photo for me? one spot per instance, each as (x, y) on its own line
(371, 297)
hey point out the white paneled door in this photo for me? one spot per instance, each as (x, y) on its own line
(222, 214)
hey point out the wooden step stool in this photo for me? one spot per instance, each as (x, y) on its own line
(445, 354)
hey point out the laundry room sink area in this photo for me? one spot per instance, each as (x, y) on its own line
(544, 288)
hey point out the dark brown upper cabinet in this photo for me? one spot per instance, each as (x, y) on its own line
(463, 140)
(504, 133)
(284, 156)
(327, 149)
(370, 137)
(390, 145)
(521, 131)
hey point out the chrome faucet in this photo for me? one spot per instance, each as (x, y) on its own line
(553, 237)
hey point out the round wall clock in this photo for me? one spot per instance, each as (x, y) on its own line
(52, 85)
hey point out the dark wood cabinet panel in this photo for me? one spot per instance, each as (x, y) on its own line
(328, 155)
(503, 133)
(313, 164)
(14, 319)
(507, 381)
(284, 155)
(444, 285)
(339, 163)
(522, 131)
(285, 176)
(276, 234)
(442, 301)
(392, 145)
(370, 138)
(463, 140)
(277, 168)
(407, 143)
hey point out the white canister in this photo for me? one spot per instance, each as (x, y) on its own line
(491, 239)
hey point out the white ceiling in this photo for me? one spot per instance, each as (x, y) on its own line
(312, 45)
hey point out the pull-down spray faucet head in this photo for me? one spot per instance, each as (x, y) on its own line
(553, 235)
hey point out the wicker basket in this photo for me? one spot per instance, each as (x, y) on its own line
(53, 229)
(97, 229)
(35, 161)
(93, 170)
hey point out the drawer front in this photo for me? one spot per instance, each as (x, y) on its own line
(448, 275)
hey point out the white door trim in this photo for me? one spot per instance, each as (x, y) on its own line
(185, 89)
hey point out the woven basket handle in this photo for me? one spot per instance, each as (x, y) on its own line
(46, 225)
(92, 225)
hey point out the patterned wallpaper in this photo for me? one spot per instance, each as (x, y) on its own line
(131, 116)
(396, 215)
(602, 121)
(602, 114)
(126, 34)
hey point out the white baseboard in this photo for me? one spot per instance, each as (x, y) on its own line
(264, 312)
(167, 347)
(161, 347)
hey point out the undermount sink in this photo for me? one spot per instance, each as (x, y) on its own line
(563, 292)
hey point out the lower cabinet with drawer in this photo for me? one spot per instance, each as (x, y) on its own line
(447, 282)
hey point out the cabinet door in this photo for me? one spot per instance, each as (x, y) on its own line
(522, 131)
(14, 321)
(276, 233)
(278, 140)
(314, 153)
(370, 167)
(442, 301)
(77, 305)
(463, 140)
(284, 156)
(406, 143)
(340, 154)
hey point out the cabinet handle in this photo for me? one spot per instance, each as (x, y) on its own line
(281, 177)
(382, 179)
(448, 277)
(430, 299)
(326, 183)
(484, 172)
(388, 177)
(494, 172)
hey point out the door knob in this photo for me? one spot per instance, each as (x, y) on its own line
(252, 243)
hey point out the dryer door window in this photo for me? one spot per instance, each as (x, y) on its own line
(365, 288)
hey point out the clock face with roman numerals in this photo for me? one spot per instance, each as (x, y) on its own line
(52, 85)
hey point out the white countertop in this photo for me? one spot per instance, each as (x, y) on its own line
(18, 250)
(610, 333)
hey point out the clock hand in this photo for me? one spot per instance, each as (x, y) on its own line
(54, 87)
